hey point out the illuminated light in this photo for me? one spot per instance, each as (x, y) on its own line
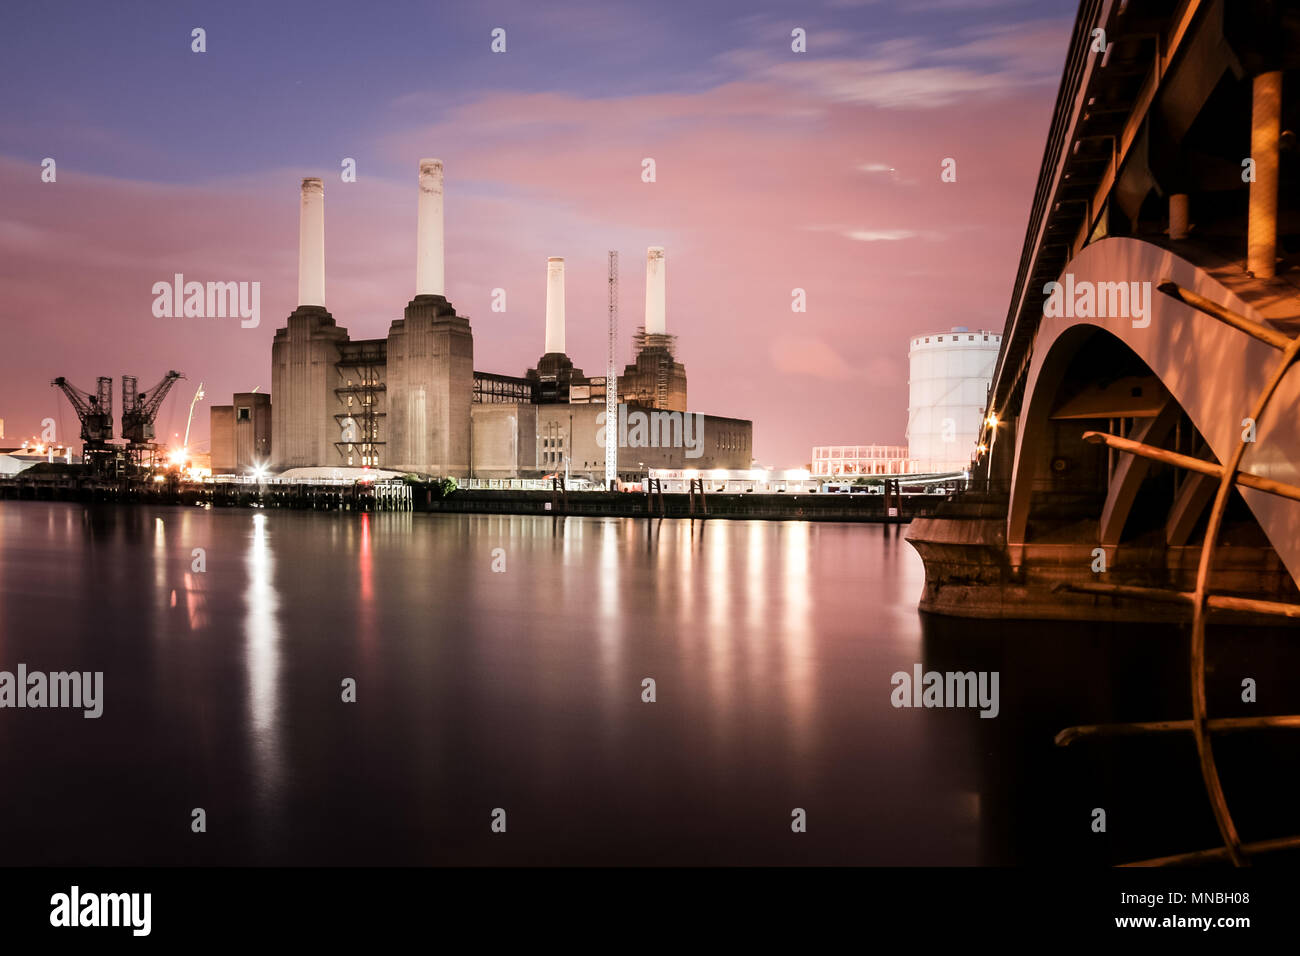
(158, 478)
(983, 447)
(991, 421)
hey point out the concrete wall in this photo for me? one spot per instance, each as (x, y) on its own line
(430, 388)
(252, 430)
(221, 424)
(241, 433)
(303, 379)
(529, 441)
(501, 436)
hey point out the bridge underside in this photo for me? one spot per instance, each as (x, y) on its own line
(1061, 512)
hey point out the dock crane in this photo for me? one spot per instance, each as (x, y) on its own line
(96, 415)
(139, 409)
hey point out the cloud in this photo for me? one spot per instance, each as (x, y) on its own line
(805, 356)
(530, 175)
(913, 72)
(880, 235)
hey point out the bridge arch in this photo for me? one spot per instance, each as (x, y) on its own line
(1212, 372)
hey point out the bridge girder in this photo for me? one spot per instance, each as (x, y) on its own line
(1211, 370)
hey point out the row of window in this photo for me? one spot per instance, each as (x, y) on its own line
(868, 452)
(957, 338)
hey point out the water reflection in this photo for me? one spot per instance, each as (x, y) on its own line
(262, 662)
(772, 645)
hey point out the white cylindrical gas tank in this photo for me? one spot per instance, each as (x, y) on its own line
(948, 383)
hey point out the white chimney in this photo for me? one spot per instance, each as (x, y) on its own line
(655, 323)
(311, 244)
(429, 275)
(555, 304)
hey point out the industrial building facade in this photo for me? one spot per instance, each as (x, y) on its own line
(838, 461)
(241, 434)
(412, 401)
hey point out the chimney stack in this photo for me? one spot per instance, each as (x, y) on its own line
(311, 244)
(429, 275)
(655, 323)
(555, 305)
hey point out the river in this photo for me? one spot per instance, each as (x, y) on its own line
(499, 664)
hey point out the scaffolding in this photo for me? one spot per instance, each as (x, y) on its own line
(362, 370)
(493, 389)
(611, 379)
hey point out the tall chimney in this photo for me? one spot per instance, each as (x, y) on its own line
(311, 244)
(655, 323)
(429, 275)
(555, 304)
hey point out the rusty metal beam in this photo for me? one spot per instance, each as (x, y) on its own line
(1222, 853)
(1216, 602)
(1218, 725)
(1243, 478)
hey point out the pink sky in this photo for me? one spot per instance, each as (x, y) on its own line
(773, 183)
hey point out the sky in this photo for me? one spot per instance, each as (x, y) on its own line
(774, 170)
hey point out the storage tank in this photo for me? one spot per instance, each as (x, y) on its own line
(948, 384)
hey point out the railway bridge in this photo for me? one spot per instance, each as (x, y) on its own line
(1140, 454)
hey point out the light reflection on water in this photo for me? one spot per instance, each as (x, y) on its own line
(771, 644)
(262, 656)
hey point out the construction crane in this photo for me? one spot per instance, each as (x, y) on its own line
(96, 415)
(190, 420)
(138, 413)
(611, 381)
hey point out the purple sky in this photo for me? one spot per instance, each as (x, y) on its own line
(775, 171)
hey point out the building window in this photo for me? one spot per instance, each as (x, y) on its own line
(243, 415)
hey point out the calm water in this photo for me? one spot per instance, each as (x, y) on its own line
(772, 645)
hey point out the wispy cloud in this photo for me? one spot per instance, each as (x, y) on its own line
(809, 357)
(880, 235)
(911, 72)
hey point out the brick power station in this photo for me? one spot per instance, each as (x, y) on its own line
(413, 402)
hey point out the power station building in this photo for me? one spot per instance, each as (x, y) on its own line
(413, 402)
(241, 434)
